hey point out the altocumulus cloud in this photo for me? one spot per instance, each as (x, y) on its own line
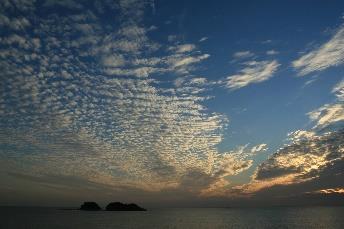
(91, 101)
(80, 97)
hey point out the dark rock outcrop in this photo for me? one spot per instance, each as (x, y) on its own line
(90, 206)
(118, 206)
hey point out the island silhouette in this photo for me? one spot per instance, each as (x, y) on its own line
(118, 206)
(90, 206)
(113, 206)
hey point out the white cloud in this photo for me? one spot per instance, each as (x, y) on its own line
(254, 72)
(14, 23)
(332, 113)
(272, 52)
(65, 3)
(16, 40)
(308, 82)
(228, 164)
(327, 55)
(113, 61)
(198, 81)
(138, 72)
(181, 61)
(22, 6)
(300, 135)
(267, 42)
(183, 48)
(94, 110)
(172, 38)
(203, 39)
(339, 90)
(132, 31)
(243, 54)
(259, 148)
(179, 81)
(327, 114)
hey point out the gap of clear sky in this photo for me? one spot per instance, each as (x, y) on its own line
(184, 103)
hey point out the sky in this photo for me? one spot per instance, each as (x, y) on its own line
(171, 103)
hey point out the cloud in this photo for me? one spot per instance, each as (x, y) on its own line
(179, 61)
(300, 135)
(64, 3)
(327, 55)
(254, 72)
(259, 148)
(141, 72)
(338, 90)
(229, 164)
(113, 61)
(95, 109)
(332, 114)
(198, 81)
(330, 190)
(310, 158)
(272, 52)
(172, 38)
(243, 54)
(267, 42)
(183, 48)
(15, 24)
(22, 6)
(302, 163)
(308, 82)
(203, 39)
(327, 115)
(312, 161)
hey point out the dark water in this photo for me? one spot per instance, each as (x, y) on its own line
(199, 218)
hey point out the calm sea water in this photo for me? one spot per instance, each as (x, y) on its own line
(288, 217)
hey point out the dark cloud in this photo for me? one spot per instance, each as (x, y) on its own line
(305, 158)
(300, 171)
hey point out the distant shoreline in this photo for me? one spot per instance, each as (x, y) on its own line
(231, 207)
(112, 206)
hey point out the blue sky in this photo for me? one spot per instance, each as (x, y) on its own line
(225, 99)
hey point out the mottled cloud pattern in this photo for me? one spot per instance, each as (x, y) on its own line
(92, 98)
(80, 97)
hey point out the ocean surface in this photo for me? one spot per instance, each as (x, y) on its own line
(199, 218)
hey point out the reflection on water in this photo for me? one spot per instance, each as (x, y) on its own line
(297, 217)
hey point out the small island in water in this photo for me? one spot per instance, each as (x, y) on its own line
(113, 206)
(90, 206)
(118, 206)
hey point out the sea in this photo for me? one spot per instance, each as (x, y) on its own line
(190, 218)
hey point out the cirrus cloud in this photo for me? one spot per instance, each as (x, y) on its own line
(254, 72)
(327, 55)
